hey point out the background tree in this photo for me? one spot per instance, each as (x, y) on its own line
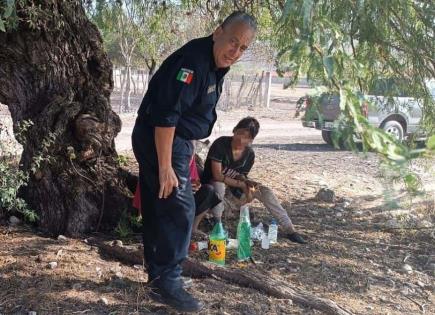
(348, 45)
(57, 75)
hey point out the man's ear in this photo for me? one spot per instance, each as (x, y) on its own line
(217, 32)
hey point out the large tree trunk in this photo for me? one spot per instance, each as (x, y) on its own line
(57, 75)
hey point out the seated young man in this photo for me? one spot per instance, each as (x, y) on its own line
(228, 163)
(205, 198)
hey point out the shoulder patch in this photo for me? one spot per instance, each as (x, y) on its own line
(185, 75)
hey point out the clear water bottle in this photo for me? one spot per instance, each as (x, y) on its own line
(244, 234)
(265, 241)
(273, 232)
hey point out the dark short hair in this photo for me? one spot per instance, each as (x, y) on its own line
(240, 16)
(250, 124)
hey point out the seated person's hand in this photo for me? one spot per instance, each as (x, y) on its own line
(252, 184)
(249, 193)
(196, 185)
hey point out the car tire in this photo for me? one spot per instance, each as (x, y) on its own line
(327, 136)
(394, 129)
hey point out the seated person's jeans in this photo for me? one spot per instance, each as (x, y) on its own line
(262, 194)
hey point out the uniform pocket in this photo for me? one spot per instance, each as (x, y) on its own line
(182, 147)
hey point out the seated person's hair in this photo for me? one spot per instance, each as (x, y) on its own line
(249, 123)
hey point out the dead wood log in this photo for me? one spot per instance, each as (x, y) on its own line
(261, 282)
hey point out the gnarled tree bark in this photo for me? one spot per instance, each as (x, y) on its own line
(54, 72)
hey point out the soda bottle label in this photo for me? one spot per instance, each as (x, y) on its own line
(217, 251)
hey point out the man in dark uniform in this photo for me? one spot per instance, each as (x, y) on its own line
(178, 107)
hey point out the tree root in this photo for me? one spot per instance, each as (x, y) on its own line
(255, 280)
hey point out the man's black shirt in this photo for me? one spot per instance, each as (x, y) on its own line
(184, 91)
(221, 151)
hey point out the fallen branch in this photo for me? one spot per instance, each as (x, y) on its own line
(261, 282)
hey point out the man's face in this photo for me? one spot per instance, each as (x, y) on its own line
(230, 43)
(241, 139)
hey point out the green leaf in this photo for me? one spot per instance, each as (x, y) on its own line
(431, 143)
(2, 25)
(9, 9)
(287, 8)
(307, 8)
(343, 99)
(328, 61)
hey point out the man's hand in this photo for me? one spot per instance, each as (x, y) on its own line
(168, 181)
(196, 185)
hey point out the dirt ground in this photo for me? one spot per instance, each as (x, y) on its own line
(357, 245)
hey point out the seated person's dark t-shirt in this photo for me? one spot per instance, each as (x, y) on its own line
(220, 151)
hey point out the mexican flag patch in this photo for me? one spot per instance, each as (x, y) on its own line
(185, 75)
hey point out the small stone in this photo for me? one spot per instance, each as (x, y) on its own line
(383, 299)
(139, 267)
(370, 308)
(407, 268)
(424, 224)
(339, 214)
(77, 286)
(52, 265)
(420, 284)
(326, 195)
(13, 220)
(32, 313)
(118, 243)
(119, 274)
(62, 238)
(404, 291)
(392, 224)
(104, 301)
(99, 272)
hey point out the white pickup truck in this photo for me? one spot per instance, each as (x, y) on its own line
(398, 115)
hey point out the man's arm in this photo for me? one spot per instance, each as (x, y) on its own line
(164, 137)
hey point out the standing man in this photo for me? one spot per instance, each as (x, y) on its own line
(178, 107)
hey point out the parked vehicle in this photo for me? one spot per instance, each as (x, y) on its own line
(397, 114)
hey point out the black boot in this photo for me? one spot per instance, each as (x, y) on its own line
(296, 237)
(176, 297)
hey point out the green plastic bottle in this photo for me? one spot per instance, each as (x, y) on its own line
(217, 244)
(244, 234)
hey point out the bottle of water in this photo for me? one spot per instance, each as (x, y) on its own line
(273, 232)
(244, 234)
(265, 241)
